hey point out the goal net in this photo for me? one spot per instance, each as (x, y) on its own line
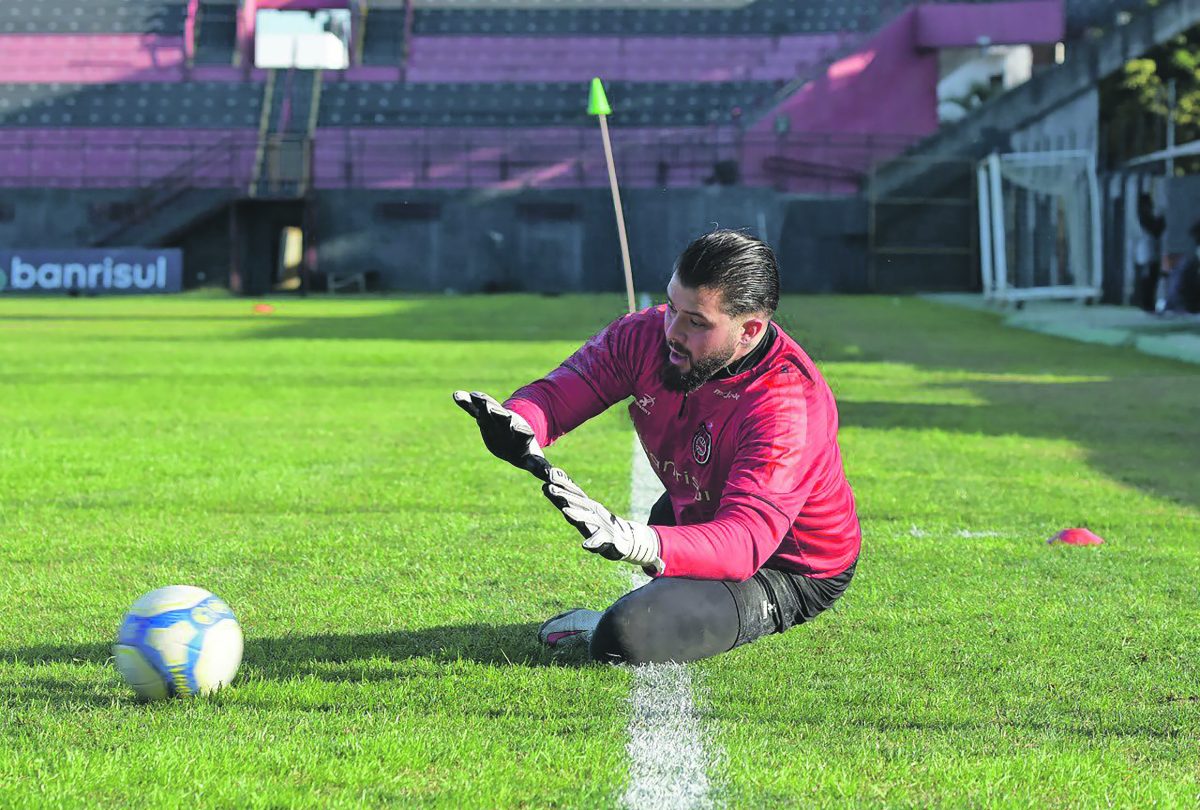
(1039, 226)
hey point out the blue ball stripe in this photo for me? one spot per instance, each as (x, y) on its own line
(135, 631)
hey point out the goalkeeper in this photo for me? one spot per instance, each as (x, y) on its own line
(757, 529)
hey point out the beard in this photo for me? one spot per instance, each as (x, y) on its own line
(699, 372)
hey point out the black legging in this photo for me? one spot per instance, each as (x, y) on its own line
(677, 619)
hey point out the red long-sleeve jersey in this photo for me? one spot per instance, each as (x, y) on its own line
(751, 462)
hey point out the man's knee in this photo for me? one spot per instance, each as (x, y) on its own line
(667, 620)
(623, 634)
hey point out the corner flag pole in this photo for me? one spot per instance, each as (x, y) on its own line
(598, 106)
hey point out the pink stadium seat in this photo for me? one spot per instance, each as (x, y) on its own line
(46, 58)
(117, 157)
(544, 158)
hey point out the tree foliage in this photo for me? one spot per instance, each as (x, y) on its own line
(1134, 101)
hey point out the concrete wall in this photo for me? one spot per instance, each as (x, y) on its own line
(822, 245)
(43, 218)
(54, 217)
(548, 241)
(1074, 125)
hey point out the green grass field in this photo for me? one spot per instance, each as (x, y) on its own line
(309, 467)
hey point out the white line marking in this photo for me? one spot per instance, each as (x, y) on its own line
(668, 760)
(917, 532)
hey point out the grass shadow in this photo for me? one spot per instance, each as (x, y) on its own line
(486, 318)
(507, 317)
(1146, 436)
(327, 656)
(357, 657)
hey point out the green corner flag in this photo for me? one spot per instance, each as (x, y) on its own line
(597, 101)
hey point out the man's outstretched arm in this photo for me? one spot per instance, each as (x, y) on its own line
(584, 385)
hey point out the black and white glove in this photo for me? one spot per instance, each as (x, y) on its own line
(603, 532)
(505, 433)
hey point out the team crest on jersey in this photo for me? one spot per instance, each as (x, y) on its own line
(702, 443)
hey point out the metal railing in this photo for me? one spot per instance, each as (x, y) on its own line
(127, 158)
(818, 162)
(167, 189)
(161, 164)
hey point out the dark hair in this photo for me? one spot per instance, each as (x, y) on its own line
(742, 268)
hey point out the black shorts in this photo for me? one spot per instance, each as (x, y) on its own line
(793, 598)
(678, 619)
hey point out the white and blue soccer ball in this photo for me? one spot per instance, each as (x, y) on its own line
(178, 641)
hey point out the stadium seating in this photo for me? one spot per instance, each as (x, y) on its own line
(291, 102)
(495, 76)
(216, 33)
(648, 59)
(52, 58)
(93, 17)
(194, 105)
(571, 157)
(365, 104)
(543, 5)
(382, 46)
(120, 157)
(762, 17)
(775, 17)
(501, 158)
(383, 41)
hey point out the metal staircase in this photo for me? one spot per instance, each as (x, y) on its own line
(193, 190)
(283, 164)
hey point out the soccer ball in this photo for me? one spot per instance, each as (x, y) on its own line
(178, 641)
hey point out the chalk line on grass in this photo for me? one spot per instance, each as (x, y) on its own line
(668, 755)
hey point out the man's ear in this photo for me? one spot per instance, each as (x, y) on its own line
(752, 328)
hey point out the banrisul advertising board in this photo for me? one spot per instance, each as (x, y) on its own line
(91, 271)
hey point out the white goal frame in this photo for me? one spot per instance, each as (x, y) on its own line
(993, 248)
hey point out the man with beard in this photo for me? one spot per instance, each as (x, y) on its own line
(757, 529)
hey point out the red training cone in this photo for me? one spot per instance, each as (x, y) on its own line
(1077, 537)
(264, 309)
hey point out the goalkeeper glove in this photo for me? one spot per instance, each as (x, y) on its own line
(505, 433)
(603, 532)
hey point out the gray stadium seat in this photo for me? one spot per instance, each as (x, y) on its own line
(93, 16)
(383, 38)
(225, 105)
(757, 18)
(216, 33)
(370, 104)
